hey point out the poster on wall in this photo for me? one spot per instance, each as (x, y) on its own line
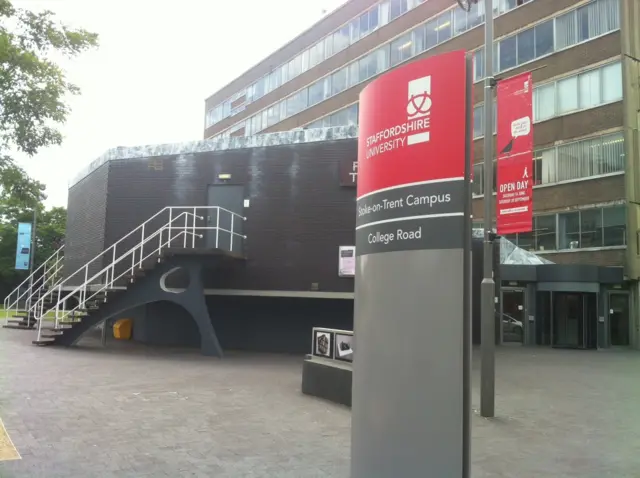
(515, 155)
(322, 344)
(344, 347)
(347, 261)
(23, 246)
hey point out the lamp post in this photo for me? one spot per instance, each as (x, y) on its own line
(487, 289)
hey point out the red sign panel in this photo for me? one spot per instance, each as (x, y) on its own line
(411, 157)
(515, 155)
(412, 124)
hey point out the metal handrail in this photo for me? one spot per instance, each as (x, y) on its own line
(29, 292)
(108, 272)
(140, 228)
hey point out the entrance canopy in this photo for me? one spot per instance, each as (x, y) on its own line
(510, 254)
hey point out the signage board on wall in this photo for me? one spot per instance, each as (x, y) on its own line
(23, 246)
(348, 172)
(347, 261)
(515, 155)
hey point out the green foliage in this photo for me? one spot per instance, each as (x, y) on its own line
(32, 86)
(33, 90)
(19, 196)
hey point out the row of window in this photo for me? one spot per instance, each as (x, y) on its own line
(345, 117)
(443, 27)
(597, 227)
(358, 28)
(415, 42)
(570, 161)
(576, 26)
(585, 90)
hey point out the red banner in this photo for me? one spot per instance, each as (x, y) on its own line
(515, 155)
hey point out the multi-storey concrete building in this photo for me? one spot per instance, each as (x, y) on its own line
(584, 58)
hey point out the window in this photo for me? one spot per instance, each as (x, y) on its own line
(459, 21)
(374, 63)
(589, 89)
(317, 92)
(316, 54)
(508, 53)
(568, 94)
(340, 40)
(401, 49)
(612, 82)
(544, 102)
(297, 103)
(478, 65)
(478, 171)
(591, 228)
(354, 73)
(545, 233)
(526, 46)
(431, 32)
(274, 80)
(374, 19)
(478, 112)
(544, 166)
(419, 40)
(398, 7)
(544, 38)
(339, 81)
(614, 225)
(354, 26)
(444, 26)
(475, 16)
(580, 159)
(569, 230)
(566, 30)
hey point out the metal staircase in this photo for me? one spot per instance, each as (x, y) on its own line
(87, 294)
(18, 304)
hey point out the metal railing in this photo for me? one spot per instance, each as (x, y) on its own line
(45, 276)
(184, 228)
(332, 344)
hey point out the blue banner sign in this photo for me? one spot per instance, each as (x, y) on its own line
(23, 248)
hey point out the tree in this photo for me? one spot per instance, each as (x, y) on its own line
(19, 197)
(32, 87)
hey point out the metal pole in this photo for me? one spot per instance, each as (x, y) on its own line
(488, 344)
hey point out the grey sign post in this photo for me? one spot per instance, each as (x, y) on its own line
(412, 342)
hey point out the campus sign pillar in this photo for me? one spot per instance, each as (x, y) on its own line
(411, 384)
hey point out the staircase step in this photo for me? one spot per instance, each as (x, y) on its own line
(43, 342)
(50, 336)
(56, 329)
(22, 321)
(17, 326)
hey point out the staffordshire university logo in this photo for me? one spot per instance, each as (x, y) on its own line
(419, 106)
(415, 129)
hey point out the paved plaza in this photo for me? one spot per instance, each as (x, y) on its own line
(134, 411)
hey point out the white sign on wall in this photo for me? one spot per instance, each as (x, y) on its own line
(347, 261)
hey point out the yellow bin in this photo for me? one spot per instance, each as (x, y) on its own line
(122, 329)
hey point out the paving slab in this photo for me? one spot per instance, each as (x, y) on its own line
(136, 411)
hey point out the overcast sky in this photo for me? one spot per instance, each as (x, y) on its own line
(157, 62)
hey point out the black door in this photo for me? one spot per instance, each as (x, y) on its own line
(228, 197)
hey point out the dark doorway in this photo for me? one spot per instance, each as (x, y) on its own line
(575, 320)
(619, 319)
(513, 315)
(229, 227)
(543, 318)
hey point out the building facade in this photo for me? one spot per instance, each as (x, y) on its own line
(584, 57)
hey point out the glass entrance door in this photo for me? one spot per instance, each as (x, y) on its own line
(568, 320)
(513, 315)
(619, 319)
